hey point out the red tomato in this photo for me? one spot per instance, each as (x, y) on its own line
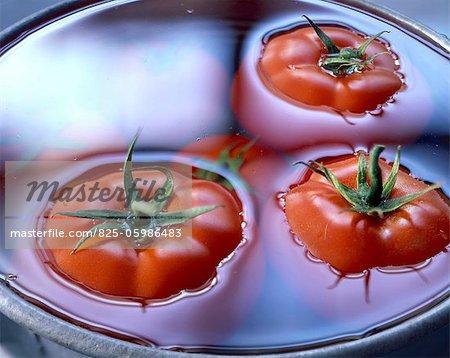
(290, 63)
(282, 95)
(354, 241)
(113, 267)
(353, 301)
(259, 165)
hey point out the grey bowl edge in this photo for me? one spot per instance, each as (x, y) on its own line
(99, 345)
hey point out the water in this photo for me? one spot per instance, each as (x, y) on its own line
(79, 88)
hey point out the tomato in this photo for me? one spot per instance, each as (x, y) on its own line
(407, 223)
(294, 64)
(180, 262)
(254, 162)
(282, 95)
(212, 147)
(348, 301)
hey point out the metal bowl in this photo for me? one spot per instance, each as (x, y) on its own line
(99, 345)
(77, 339)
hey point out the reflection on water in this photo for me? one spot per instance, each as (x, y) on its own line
(79, 88)
(86, 87)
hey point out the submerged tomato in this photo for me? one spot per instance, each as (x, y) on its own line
(255, 163)
(112, 267)
(295, 63)
(396, 230)
(126, 266)
(283, 96)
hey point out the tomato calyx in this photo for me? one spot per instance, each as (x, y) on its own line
(139, 214)
(373, 199)
(345, 61)
(226, 160)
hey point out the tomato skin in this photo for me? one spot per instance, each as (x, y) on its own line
(353, 242)
(310, 84)
(214, 231)
(157, 269)
(114, 267)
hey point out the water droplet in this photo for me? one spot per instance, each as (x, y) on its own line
(198, 139)
(292, 67)
(391, 100)
(281, 199)
(400, 75)
(351, 276)
(243, 224)
(377, 112)
(11, 277)
(75, 159)
(296, 239)
(312, 258)
(404, 269)
(190, 11)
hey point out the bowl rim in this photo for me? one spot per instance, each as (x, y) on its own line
(91, 343)
(96, 344)
(33, 22)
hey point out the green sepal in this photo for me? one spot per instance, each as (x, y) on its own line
(329, 43)
(345, 61)
(211, 176)
(348, 193)
(140, 214)
(361, 178)
(363, 47)
(180, 217)
(234, 164)
(396, 203)
(161, 197)
(392, 178)
(97, 214)
(131, 194)
(93, 230)
(371, 200)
